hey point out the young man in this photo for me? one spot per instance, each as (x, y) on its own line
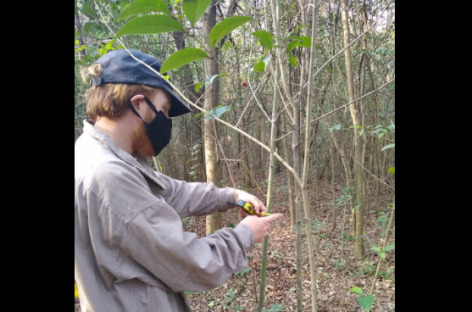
(131, 252)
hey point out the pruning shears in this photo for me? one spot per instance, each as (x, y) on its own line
(249, 208)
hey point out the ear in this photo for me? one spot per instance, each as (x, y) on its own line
(137, 100)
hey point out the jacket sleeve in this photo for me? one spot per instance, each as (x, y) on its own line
(195, 198)
(155, 238)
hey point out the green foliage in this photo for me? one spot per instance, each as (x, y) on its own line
(225, 27)
(304, 42)
(150, 24)
(229, 301)
(242, 273)
(357, 290)
(382, 220)
(217, 111)
(265, 38)
(189, 224)
(182, 57)
(194, 152)
(274, 308)
(340, 265)
(91, 26)
(388, 146)
(335, 127)
(194, 9)
(209, 82)
(357, 127)
(381, 130)
(364, 301)
(293, 61)
(381, 252)
(143, 6)
(299, 27)
(88, 10)
(262, 65)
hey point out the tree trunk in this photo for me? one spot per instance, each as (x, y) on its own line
(356, 119)
(213, 167)
(188, 83)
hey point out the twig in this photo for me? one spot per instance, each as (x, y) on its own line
(383, 247)
(375, 177)
(282, 161)
(336, 109)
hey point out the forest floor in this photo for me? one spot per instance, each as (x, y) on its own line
(336, 268)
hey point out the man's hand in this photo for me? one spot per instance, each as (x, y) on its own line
(253, 200)
(260, 226)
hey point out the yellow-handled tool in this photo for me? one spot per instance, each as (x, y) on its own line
(249, 208)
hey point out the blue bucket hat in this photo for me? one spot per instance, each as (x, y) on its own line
(119, 67)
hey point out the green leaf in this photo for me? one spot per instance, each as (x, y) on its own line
(382, 254)
(276, 307)
(299, 27)
(292, 45)
(376, 248)
(197, 87)
(194, 9)
(292, 289)
(357, 290)
(303, 41)
(88, 10)
(259, 67)
(143, 6)
(265, 38)
(198, 116)
(182, 57)
(306, 42)
(391, 170)
(389, 247)
(388, 146)
(89, 26)
(221, 110)
(335, 127)
(225, 27)
(293, 61)
(366, 302)
(150, 24)
(174, 2)
(212, 303)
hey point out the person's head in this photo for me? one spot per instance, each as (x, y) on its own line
(128, 93)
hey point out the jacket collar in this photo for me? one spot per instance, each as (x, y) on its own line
(139, 163)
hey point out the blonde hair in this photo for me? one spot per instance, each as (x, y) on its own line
(109, 100)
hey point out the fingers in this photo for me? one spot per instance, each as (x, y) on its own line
(273, 217)
(258, 205)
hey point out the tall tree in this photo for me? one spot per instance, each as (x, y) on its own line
(212, 163)
(356, 120)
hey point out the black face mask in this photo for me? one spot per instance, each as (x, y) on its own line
(158, 130)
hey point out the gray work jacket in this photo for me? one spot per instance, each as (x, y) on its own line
(131, 251)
